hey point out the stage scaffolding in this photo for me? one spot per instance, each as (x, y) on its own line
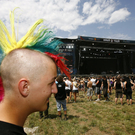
(91, 55)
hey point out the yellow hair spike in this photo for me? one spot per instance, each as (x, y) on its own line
(28, 38)
(9, 43)
(12, 26)
(4, 34)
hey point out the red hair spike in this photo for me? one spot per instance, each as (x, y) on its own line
(59, 63)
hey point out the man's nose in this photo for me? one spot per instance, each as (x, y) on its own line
(54, 88)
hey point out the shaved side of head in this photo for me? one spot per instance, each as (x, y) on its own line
(23, 63)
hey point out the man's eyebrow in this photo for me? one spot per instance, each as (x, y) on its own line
(53, 78)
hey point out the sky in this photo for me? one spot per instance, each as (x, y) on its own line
(113, 19)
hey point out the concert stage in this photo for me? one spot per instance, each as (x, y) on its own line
(91, 55)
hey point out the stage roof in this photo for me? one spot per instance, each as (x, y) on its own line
(100, 43)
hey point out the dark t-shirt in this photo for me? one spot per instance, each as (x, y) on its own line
(105, 84)
(118, 87)
(61, 95)
(85, 83)
(10, 129)
(128, 86)
(99, 83)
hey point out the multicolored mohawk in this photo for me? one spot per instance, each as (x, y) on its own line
(37, 41)
(40, 40)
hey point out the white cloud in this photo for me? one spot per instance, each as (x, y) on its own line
(98, 11)
(119, 15)
(64, 15)
(86, 7)
(119, 36)
(100, 27)
(59, 14)
(69, 37)
(103, 11)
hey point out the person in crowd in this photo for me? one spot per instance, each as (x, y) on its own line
(71, 90)
(94, 85)
(105, 86)
(85, 84)
(79, 86)
(132, 82)
(74, 89)
(110, 88)
(112, 83)
(89, 90)
(123, 82)
(82, 86)
(128, 84)
(118, 86)
(61, 97)
(68, 88)
(98, 87)
(109, 83)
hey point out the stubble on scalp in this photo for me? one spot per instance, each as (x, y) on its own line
(23, 63)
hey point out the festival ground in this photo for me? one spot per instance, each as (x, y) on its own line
(86, 118)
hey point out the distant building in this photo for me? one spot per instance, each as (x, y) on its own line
(92, 55)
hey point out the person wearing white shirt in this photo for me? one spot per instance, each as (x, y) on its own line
(74, 89)
(68, 88)
(93, 80)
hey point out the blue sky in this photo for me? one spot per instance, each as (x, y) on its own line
(69, 18)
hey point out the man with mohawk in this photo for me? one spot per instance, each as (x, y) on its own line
(28, 75)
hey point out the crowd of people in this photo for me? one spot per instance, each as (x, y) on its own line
(100, 86)
(103, 85)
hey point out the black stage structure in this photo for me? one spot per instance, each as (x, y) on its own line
(92, 55)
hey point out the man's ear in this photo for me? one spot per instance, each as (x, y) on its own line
(23, 87)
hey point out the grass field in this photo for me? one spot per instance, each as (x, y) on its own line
(87, 118)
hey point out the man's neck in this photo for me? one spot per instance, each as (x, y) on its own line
(11, 114)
